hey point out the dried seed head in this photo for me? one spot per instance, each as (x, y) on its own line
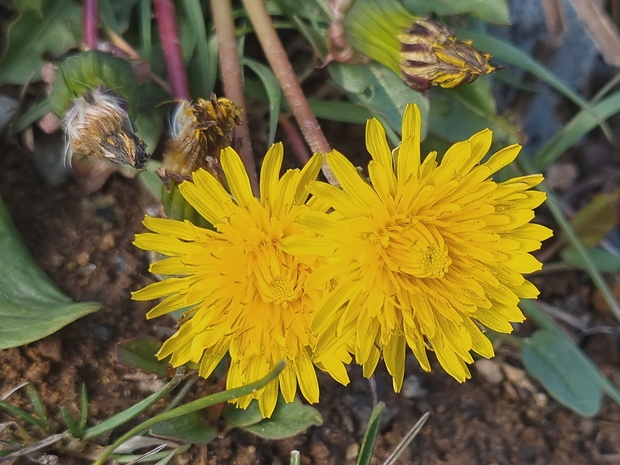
(432, 56)
(199, 133)
(98, 127)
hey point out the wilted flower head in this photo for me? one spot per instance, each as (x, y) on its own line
(246, 296)
(98, 127)
(199, 133)
(426, 254)
(423, 52)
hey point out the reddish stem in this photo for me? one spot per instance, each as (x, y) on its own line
(283, 70)
(169, 35)
(295, 140)
(233, 83)
(90, 24)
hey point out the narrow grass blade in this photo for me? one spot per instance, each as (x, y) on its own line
(412, 433)
(580, 125)
(134, 411)
(368, 443)
(38, 406)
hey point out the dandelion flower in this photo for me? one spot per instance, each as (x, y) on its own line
(246, 296)
(426, 254)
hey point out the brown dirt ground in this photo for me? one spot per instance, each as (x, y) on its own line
(84, 243)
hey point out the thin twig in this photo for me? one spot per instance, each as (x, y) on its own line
(169, 34)
(283, 70)
(233, 85)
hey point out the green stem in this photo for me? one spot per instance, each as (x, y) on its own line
(190, 407)
(233, 85)
(283, 70)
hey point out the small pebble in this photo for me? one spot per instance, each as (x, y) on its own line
(82, 258)
(352, 451)
(413, 388)
(491, 371)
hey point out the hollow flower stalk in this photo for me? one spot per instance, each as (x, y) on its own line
(426, 254)
(244, 294)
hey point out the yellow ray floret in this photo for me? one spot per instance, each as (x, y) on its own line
(426, 254)
(243, 294)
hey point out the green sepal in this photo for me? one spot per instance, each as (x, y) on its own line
(88, 70)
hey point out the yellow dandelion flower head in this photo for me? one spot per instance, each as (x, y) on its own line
(246, 296)
(425, 254)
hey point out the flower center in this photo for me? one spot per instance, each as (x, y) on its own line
(282, 290)
(429, 254)
(414, 249)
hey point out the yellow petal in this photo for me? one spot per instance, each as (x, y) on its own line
(236, 176)
(270, 173)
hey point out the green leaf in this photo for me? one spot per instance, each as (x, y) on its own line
(604, 260)
(456, 114)
(38, 422)
(492, 11)
(582, 123)
(188, 428)
(147, 115)
(140, 353)
(567, 374)
(53, 30)
(31, 306)
(241, 418)
(84, 71)
(151, 180)
(72, 424)
(512, 55)
(205, 59)
(379, 90)
(117, 14)
(29, 5)
(344, 112)
(288, 419)
(274, 94)
(595, 220)
(370, 436)
(38, 406)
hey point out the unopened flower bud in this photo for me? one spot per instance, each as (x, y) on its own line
(432, 56)
(423, 52)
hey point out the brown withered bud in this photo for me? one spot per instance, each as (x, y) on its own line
(98, 127)
(199, 133)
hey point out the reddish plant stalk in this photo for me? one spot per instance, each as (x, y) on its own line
(295, 140)
(233, 85)
(90, 24)
(282, 68)
(169, 35)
